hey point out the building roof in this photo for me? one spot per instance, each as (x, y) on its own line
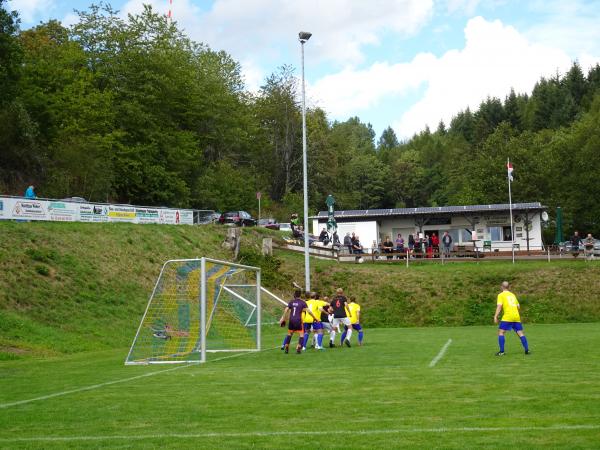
(433, 210)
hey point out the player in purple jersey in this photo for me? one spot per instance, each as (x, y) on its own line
(293, 313)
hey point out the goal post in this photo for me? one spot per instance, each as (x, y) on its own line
(200, 306)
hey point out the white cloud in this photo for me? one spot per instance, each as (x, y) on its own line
(341, 28)
(31, 10)
(495, 58)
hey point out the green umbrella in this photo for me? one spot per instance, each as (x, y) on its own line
(558, 236)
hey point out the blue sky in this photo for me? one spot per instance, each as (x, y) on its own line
(401, 63)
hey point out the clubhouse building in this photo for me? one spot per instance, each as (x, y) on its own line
(484, 226)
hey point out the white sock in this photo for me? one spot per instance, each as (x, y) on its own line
(332, 336)
(348, 334)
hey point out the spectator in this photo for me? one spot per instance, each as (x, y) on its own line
(357, 248)
(400, 243)
(336, 239)
(411, 243)
(588, 245)
(575, 243)
(30, 192)
(324, 237)
(348, 242)
(388, 245)
(295, 225)
(435, 243)
(447, 243)
(375, 248)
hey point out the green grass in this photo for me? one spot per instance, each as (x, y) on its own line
(381, 395)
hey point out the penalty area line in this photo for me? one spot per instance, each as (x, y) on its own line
(441, 354)
(259, 434)
(122, 380)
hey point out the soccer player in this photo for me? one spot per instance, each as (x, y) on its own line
(340, 316)
(317, 307)
(354, 310)
(293, 313)
(511, 320)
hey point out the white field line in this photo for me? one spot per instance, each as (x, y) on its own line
(109, 383)
(441, 430)
(441, 354)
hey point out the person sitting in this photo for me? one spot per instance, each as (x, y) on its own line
(336, 239)
(388, 246)
(324, 237)
(400, 243)
(30, 192)
(357, 248)
(375, 248)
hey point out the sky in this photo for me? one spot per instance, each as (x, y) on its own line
(402, 63)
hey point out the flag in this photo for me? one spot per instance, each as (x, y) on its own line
(509, 166)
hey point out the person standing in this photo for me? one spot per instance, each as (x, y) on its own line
(340, 316)
(447, 244)
(30, 192)
(588, 246)
(511, 319)
(575, 243)
(354, 310)
(348, 242)
(293, 313)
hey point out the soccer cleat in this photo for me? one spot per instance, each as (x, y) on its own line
(499, 353)
(347, 342)
(303, 349)
(287, 350)
(331, 344)
(527, 352)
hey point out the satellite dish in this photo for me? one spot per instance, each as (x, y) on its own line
(545, 216)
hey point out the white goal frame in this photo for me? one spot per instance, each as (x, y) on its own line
(202, 350)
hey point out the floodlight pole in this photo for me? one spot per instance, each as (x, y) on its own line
(303, 37)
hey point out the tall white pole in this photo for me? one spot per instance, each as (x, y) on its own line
(305, 179)
(512, 228)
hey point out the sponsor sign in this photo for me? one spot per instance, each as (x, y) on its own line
(62, 212)
(93, 213)
(30, 209)
(169, 216)
(118, 213)
(146, 215)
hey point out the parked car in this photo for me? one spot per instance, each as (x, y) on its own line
(239, 218)
(271, 224)
(212, 217)
(566, 247)
(286, 227)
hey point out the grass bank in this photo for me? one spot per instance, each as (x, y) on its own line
(72, 287)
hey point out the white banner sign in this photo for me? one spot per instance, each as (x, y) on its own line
(62, 211)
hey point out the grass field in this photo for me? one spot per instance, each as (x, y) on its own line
(382, 395)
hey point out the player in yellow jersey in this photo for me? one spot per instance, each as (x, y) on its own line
(511, 319)
(316, 307)
(354, 315)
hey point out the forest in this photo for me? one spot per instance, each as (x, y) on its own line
(131, 110)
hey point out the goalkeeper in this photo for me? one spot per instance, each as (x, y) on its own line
(293, 313)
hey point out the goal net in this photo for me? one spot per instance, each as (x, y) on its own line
(199, 306)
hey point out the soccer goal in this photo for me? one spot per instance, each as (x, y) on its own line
(200, 306)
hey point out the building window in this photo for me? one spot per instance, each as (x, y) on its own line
(500, 234)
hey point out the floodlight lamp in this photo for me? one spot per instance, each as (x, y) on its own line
(304, 36)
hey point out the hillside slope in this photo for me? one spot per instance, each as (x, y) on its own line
(71, 287)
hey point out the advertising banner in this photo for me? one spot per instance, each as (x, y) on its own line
(146, 215)
(63, 211)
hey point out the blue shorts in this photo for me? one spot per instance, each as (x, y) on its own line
(317, 326)
(507, 326)
(356, 326)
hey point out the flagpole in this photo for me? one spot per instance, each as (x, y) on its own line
(512, 228)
